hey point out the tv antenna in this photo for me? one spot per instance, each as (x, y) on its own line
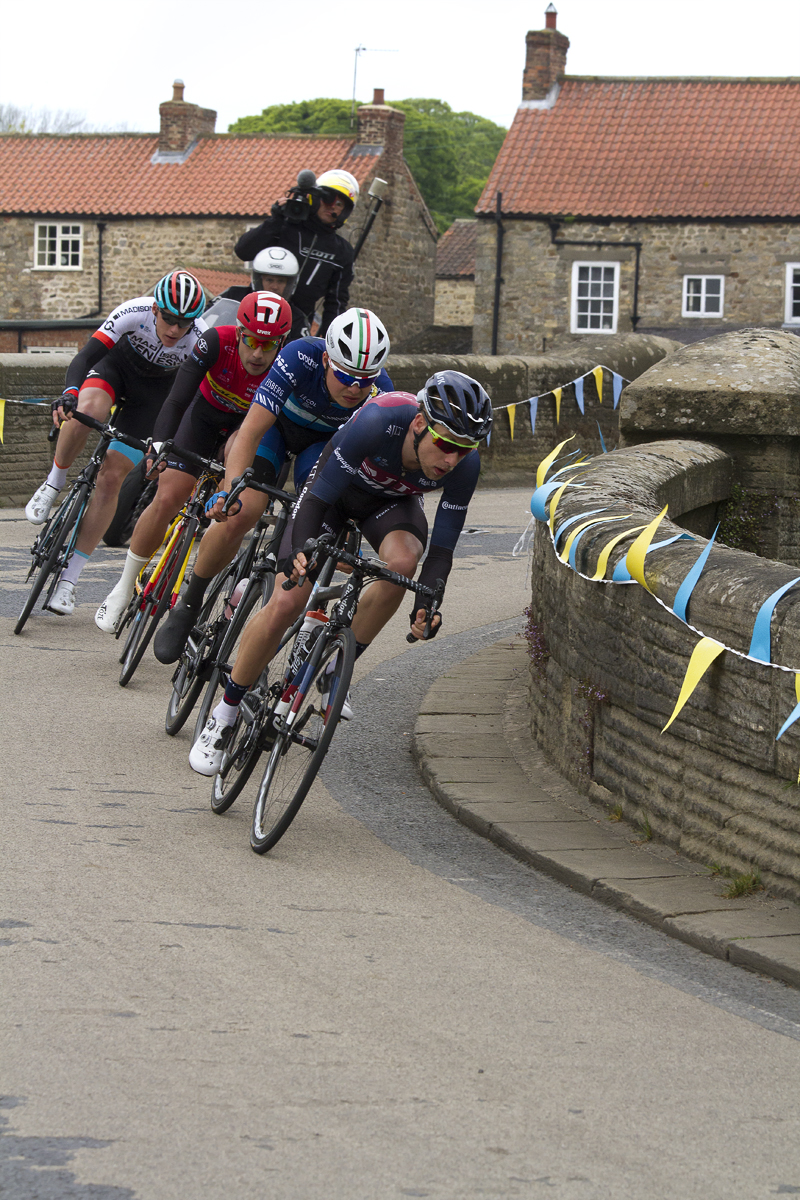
(362, 50)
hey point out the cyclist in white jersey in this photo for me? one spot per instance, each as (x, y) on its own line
(130, 361)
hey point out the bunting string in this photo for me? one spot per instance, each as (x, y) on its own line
(617, 383)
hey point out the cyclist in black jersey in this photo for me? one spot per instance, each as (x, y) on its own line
(326, 258)
(375, 470)
(131, 361)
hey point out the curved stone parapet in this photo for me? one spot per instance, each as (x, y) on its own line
(609, 660)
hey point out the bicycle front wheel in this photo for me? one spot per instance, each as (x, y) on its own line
(54, 542)
(196, 661)
(151, 612)
(244, 749)
(297, 754)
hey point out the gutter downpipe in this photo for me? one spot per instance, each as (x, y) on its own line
(98, 311)
(637, 246)
(497, 270)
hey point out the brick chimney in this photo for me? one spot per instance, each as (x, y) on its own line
(182, 123)
(545, 58)
(381, 125)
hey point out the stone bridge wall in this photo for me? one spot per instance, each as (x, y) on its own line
(608, 660)
(26, 455)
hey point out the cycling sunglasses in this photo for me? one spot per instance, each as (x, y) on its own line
(256, 343)
(170, 319)
(448, 447)
(349, 380)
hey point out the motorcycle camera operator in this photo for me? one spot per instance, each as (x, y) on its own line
(306, 224)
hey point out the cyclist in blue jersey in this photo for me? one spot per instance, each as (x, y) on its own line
(311, 390)
(376, 470)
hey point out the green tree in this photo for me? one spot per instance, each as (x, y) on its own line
(450, 154)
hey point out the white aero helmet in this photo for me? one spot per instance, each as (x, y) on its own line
(357, 342)
(275, 261)
(343, 184)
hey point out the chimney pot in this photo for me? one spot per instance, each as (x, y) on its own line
(177, 89)
(377, 96)
(550, 14)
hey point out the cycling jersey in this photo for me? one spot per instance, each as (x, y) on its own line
(215, 369)
(365, 458)
(129, 332)
(295, 387)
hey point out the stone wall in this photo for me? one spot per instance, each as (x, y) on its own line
(535, 296)
(608, 660)
(25, 458)
(455, 302)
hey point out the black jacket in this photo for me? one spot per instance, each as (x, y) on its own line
(327, 271)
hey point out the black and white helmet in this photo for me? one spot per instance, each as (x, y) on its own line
(275, 261)
(457, 402)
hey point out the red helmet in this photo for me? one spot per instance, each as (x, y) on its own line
(265, 314)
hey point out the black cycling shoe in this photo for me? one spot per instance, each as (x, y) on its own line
(171, 638)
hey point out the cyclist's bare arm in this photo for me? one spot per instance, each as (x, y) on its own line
(243, 451)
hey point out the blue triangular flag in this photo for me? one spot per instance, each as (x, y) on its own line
(579, 393)
(617, 382)
(534, 403)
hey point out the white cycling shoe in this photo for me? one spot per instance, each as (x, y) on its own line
(206, 754)
(38, 508)
(63, 599)
(108, 614)
(324, 687)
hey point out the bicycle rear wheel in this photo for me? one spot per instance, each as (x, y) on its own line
(54, 541)
(197, 659)
(151, 611)
(297, 755)
(258, 593)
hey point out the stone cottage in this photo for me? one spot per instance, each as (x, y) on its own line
(661, 205)
(455, 275)
(88, 220)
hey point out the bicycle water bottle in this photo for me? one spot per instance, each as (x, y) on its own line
(313, 623)
(238, 592)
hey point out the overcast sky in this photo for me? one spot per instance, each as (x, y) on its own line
(115, 63)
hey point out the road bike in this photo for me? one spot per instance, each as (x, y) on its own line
(55, 543)
(160, 580)
(294, 717)
(239, 589)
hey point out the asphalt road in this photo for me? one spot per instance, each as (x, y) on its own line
(385, 1005)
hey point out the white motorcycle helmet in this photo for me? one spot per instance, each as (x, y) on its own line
(271, 264)
(357, 342)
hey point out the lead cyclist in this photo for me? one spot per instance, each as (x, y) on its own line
(376, 470)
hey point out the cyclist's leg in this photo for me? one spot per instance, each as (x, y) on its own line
(96, 398)
(399, 533)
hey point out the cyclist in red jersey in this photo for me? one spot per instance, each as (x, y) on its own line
(208, 401)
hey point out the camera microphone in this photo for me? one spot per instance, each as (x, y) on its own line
(306, 179)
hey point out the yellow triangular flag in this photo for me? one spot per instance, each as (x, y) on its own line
(598, 378)
(2, 417)
(634, 560)
(557, 494)
(703, 655)
(557, 393)
(797, 686)
(586, 524)
(545, 464)
(512, 410)
(605, 553)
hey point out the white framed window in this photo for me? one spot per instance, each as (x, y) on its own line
(595, 297)
(792, 294)
(58, 246)
(703, 295)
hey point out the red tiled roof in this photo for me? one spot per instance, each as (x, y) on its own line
(455, 253)
(215, 282)
(112, 174)
(654, 148)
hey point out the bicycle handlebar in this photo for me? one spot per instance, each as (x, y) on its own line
(246, 481)
(109, 430)
(197, 460)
